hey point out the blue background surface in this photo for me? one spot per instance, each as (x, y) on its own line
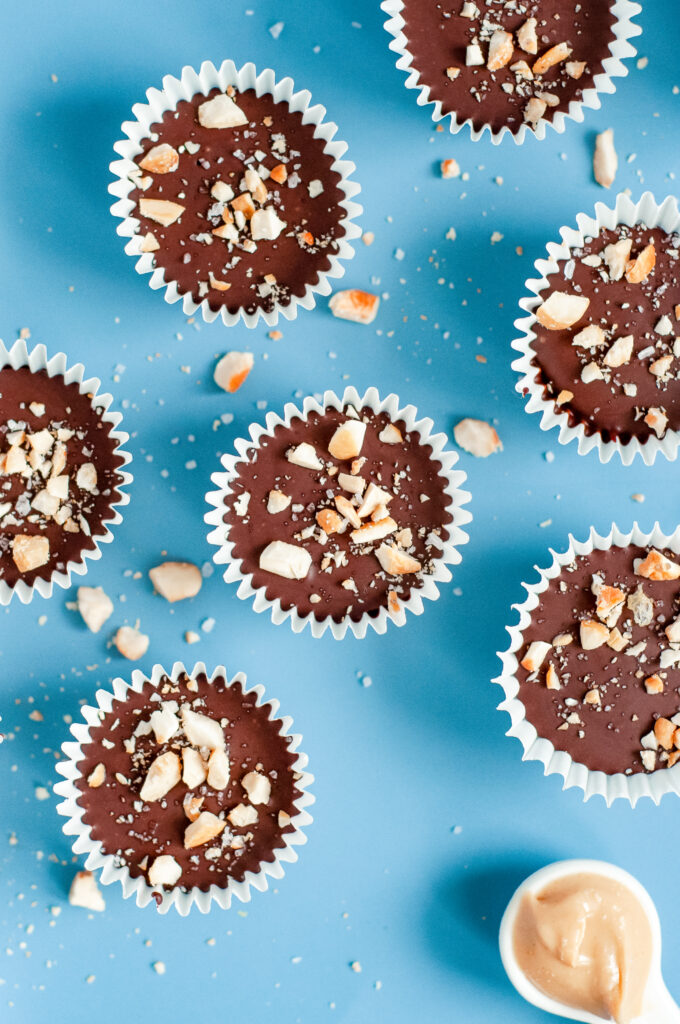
(425, 816)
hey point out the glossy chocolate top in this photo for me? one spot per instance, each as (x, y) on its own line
(59, 473)
(617, 401)
(345, 577)
(137, 831)
(439, 32)
(607, 698)
(249, 275)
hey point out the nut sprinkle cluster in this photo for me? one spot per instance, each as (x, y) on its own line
(599, 672)
(190, 783)
(237, 200)
(340, 514)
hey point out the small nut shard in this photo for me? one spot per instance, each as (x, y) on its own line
(501, 49)
(84, 892)
(257, 786)
(305, 456)
(534, 111)
(657, 567)
(206, 827)
(97, 776)
(395, 562)
(477, 437)
(526, 36)
(95, 607)
(590, 337)
(390, 434)
(664, 731)
(164, 870)
(194, 769)
(553, 56)
(218, 769)
(348, 439)
(657, 420)
(163, 775)
(221, 112)
(605, 160)
(176, 581)
(358, 306)
(535, 655)
(162, 159)
(449, 168)
(202, 731)
(266, 225)
(30, 551)
(132, 644)
(232, 370)
(552, 680)
(286, 560)
(277, 501)
(639, 269)
(162, 211)
(242, 815)
(616, 256)
(561, 310)
(593, 634)
(619, 353)
(654, 684)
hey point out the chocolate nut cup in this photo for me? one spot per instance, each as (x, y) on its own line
(532, 385)
(614, 785)
(264, 83)
(452, 481)
(613, 67)
(114, 868)
(37, 361)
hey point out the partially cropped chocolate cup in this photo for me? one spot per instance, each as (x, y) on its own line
(185, 787)
(234, 194)
(342, 515)
(510, 69)
(600, 356)
(590, 677)
(61, 471)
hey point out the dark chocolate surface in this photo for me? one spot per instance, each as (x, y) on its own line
(224, 154)
(270, 468)
(92, 442)
(158, 828)
(608, 737)
(621, 309)
(437, 36)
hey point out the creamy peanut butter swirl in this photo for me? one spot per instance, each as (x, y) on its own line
(585, 941)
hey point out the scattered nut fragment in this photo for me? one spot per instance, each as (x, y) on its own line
(97, 776)
(164, 773)
(395, 562)
(164, 723)
(162, 159)
(656, 567)
(355, 305)
(553, 56)
(616, 256)
(221, 112)
(201, 730)
(605, 160)
(552, 680)
(590, 337)
(149, 243)
(561, 310)
(95, 607)
(192, 806)
(30, 551)
(132, 644)
(328, 520)
(664, 731)
(575, 68)
(162, 211)
(206, 827)
(164, 870)
(265, 224)
(84, 892)
(348, 439)
(657, 420)
(305, 456)
(593, 697)
(390, 434)
(232, 370)
(242, 815)
(535, 655)
(277, 501)
(534, 111)
(654, 684)
(194, 768)
(473, 55)
(218, 769)
(526, 36)
(619, 353)
(347, 509)
(477, 437)
(287, 560)
(593, 634)
(176, 581)
(501, 49)
(639, 269)
(257, 786)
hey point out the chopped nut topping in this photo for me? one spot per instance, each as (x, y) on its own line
(206, 827)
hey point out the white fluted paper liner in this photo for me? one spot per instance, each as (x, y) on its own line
(613, 67)
(537, 748)
(450, 555)
(36, 359)
(648, 212)
(186, 87)
(111, 871)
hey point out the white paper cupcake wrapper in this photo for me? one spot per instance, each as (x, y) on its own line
(620, 49)
(648, 212)
(185, 88)
(111, 871)
(536, 748)
(449, 556)
(36, 359)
